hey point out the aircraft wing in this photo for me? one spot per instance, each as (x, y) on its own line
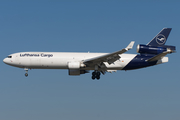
(160, 56)
(109, 58)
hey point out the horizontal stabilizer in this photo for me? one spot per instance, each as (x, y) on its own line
(160, 56)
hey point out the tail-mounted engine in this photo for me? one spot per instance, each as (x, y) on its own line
(146, 49)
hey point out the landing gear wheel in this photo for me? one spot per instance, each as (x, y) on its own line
(98, 77)
(26, 74)
(26, 70)
(96, 74)
(93, 77)
(93, 73)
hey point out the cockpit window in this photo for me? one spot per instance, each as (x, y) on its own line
(9, 56)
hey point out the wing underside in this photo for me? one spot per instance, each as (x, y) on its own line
(98, 62)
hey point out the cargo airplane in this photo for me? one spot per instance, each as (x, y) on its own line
(150, 54)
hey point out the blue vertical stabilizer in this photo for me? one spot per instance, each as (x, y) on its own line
(161, 38)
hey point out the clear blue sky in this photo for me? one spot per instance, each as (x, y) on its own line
(146, 94)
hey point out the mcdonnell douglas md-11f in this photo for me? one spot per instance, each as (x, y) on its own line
(150, 54)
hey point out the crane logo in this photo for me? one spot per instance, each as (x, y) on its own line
(161, 39)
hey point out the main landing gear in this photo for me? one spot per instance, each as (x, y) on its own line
(96, 74)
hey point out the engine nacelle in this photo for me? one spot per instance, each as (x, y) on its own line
(74, 65)
(74, 68)
(146, 49)
(77, 71)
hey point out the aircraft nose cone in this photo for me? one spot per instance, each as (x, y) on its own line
(5, 60)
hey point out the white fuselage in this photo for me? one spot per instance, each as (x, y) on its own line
(60, 60)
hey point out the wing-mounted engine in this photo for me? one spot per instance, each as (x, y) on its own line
(74, 68)
(147, 49)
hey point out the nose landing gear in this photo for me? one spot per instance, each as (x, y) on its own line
(96, 74)
(26, 70)
(26, 74)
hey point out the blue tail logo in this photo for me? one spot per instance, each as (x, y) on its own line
(160, 39)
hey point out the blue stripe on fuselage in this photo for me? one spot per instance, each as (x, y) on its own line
(139, 62)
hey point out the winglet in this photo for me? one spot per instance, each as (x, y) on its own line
(130, 46)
